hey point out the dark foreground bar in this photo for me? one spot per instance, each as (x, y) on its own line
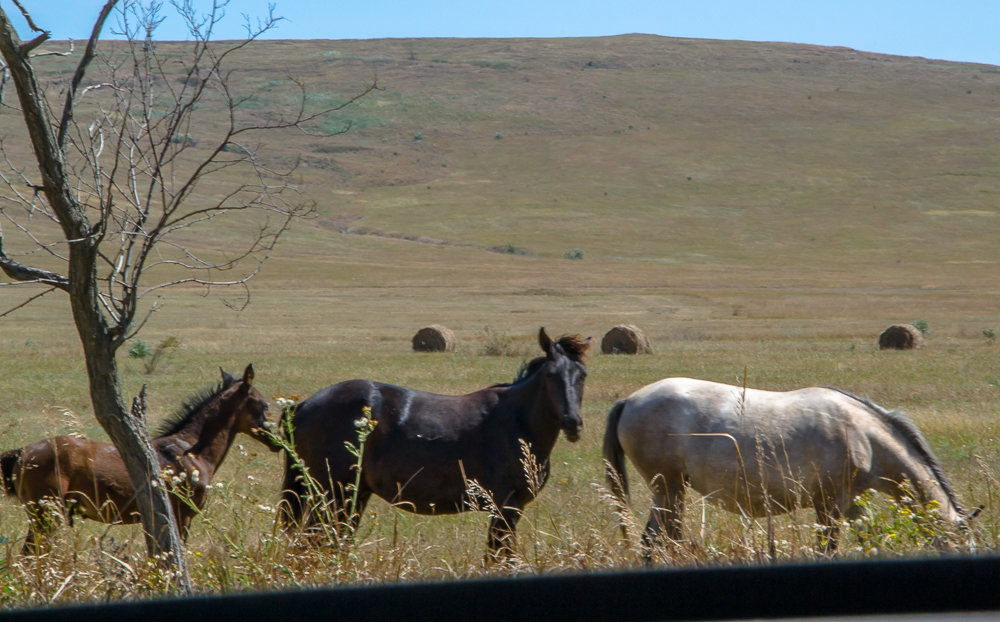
(946, 585)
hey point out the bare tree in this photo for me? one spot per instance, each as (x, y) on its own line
(109, 220)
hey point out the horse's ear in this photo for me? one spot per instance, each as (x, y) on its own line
(543, 340)
(248, 375)
(227, 380)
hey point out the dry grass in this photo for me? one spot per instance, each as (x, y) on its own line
(571, 527)
(760, 210)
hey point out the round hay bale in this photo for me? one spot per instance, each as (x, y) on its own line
(434, 338)
(625, 339)
(900, 337)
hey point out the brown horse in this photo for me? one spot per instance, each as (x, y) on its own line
(754, 452)
(78, 477)
(424, 450)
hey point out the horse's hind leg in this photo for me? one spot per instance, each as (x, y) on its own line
(307, 502)
(41, 524)
(665, 515)
(500, 545)
(34, 542)
(339, 508)
(290, 507)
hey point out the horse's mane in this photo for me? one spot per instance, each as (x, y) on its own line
(574, 346)
(527, 369)
(904, 425)
(190, 407)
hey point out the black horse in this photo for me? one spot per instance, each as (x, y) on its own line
(426, 452)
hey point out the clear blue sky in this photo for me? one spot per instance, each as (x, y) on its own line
(960, 30)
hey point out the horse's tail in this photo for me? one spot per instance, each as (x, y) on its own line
(9, 461)
(614, 456)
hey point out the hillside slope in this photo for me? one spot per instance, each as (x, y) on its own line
(644, 148)
(666, 163)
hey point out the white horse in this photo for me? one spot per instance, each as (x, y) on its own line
(754, 452)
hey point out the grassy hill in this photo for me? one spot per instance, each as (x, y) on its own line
(764, 179)
(739, 153)
(668, 162)
(664, 159)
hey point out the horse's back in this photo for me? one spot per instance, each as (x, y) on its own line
(329, 417)
(43, 455)
(338, 398)
(688, 405)
(50, 465)
(417, 413)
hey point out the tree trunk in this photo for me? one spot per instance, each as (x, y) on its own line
(129, 433)
(100, 341)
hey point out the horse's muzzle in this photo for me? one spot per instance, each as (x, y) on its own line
(265, 438)
(572, 429)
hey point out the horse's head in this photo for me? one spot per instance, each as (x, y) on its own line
(250, 408)
(564, 375)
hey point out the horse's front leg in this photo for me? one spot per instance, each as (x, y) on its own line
(358, 510)
(184, 524)
(828, 517)
(502, 534)
(187, 502)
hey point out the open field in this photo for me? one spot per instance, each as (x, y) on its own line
(762, 211)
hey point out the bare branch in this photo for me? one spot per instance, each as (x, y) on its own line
(69, 52)
(81, 68)
(26, 302)
(26, 274)
(137, 326)
(27, 46)
(27, 17)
